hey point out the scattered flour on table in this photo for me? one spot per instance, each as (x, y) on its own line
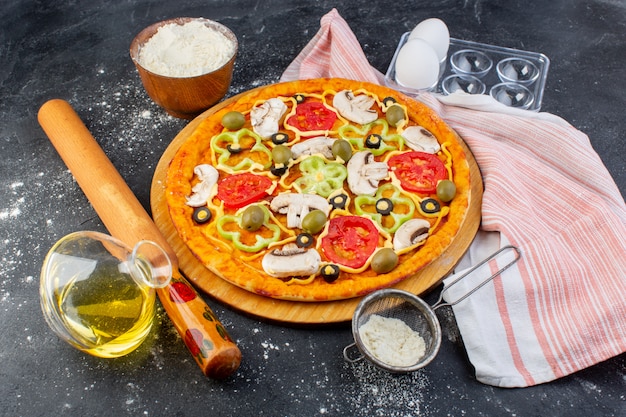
(13, 210)
(337, 387)
(186, 50)
(380, 393)
(126, 122)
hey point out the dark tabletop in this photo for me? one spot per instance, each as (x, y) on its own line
(78, 51)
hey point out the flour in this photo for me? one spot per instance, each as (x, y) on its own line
(392, 341)
(186, 50)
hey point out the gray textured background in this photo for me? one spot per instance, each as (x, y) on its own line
(78, 50)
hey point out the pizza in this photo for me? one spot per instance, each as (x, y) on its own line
(318, 190)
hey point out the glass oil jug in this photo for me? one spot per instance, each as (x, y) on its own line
(99, 295)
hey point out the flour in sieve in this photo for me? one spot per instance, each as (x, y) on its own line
(392, 341)
(186, 50)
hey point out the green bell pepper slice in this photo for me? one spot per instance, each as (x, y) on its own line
(396, 198)
(235, 235)
(234, 139)
(319, 177)
(356, 136)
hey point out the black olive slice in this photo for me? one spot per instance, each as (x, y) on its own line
(339, 201)
(384, 206)
(304, 240)
(430, 205)
(299, 98)
(278, 171)
(201, 215)
(280, 138)
(233, 148)
(373, 141)
(388, 101)
(330, 272)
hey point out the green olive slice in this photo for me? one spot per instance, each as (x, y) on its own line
(233, 120)
(252, 218)
(446, 190)
(314, 221)
(394, 115)
(342, 149)
(281, 154)
(385, 260)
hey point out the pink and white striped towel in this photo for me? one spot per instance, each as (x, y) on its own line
(562, 307)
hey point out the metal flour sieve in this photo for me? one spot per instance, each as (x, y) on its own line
(415, 313)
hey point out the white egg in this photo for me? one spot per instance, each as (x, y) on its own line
(417, 65)
(436, 33)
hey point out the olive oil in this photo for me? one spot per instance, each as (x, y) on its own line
(98, 294)
(107, 313)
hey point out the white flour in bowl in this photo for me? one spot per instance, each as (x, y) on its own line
(392, 341)
(186, 50)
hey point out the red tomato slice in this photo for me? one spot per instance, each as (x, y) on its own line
(312, 115)
(242, 189)
(350, 240)
(418, 171)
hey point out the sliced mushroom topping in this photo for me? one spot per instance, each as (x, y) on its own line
(208, 177)
(410, 233)
(297, 206)
(265, 118)
(420, 139)
(356, 109)
(290, 261)
(364, 173)
(318, 145)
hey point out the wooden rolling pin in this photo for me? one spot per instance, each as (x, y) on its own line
(126, 219)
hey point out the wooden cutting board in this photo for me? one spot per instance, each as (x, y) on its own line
(293, 312)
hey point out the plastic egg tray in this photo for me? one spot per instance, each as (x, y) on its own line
(512, 76)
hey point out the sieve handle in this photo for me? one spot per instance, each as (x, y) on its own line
(346, 353)
(518, 255)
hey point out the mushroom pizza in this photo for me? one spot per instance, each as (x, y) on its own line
(317, 190)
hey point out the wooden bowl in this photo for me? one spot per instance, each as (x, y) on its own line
(185, 97)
